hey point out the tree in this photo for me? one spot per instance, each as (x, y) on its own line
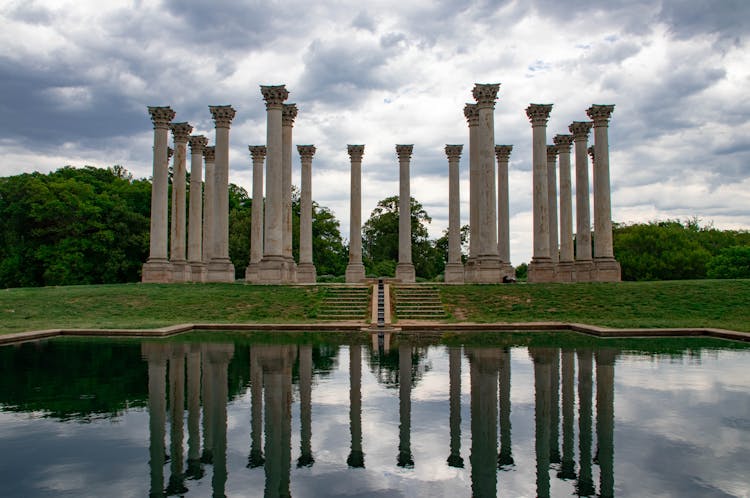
(731, 262)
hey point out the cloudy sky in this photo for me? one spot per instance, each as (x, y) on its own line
(76, 77)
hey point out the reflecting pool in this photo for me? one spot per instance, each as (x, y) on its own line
(261, 414)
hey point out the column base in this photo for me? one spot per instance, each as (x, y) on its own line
(252, 273)
(355, 273)
(292, 268)
(156, 270)
(220, 270)
(274, 270)
(584, 270)
(197, 271)
(405, 273)
(454, 273)
(306, 273)
(541, 270)
(485, 270)
(180, 271)
(566, 271)
(607, 270)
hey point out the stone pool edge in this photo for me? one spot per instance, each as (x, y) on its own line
(403, 326)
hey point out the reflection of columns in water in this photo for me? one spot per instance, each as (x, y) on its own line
(454, 375)
(505, 458)
(176, 409)
(568, 467)
(256, 411)
(356, 456)
(155, 354)
(277, 364)
(305, 400)
(554, 419)
(404, 406)
(219, 356)
(542, 372)
(585, 484)
(194, 411)
(605, 419)
(483, 367)
(208, 403)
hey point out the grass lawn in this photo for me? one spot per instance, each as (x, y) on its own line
(697, 303)
(687, 303)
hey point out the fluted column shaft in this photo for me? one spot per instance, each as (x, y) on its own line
(454, 205)
(273, 226)
(405, 268)
(563, 143)
(223, 116)
(258, 153)
(580, 131)
(486, 95)
(602, 203)
(502, 152)
(209, 154)
(180, 133)
(472, 117)
(288, 115)
(195, 220)
(538, 114)
(552, 201)
(355, 270)
(306, 153)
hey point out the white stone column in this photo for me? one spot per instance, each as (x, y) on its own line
(565, 267)
(554, 250)
(288, 115)
(607, 268)
(273, 267)
(177, 254)
(502, 153)
(355, 270)
(209, 156)
(583, 261)
(220, 267)
(195, 219)
(454, 268)
(471, 113)
(306, 269)
(541, 268)
(157, 267)
(486, 95)
(404, 268)
(258, 153)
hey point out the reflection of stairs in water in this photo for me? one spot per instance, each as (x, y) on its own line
(417, 302)
(345, 302)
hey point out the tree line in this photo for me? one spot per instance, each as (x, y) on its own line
(91, 225)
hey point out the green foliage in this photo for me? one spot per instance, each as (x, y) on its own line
(671, 249)
(731, 262)
(522, 272)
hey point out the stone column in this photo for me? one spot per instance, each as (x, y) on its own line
(605, 420)
(305, 405)
(607, 268)
(568, 465)
(405, 267)
(541, 268)
(288, 115)
(220, 267)
(306, 273)
(355, 270)
(488, 261)
(176, 419)
(258, 153)
(356, 458)
(583, 261)
(157, 267)
(273, 267)
(454, 268)
(483, 369)
(554, 250)
(502, 153)
(585, 482)
(454, 376)
(405, 458)
(180, 269)
(195, 220)
(565, 266)
(471, 113)
(209, 156)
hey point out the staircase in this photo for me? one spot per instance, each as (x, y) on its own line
(417, 302)
(345, 302)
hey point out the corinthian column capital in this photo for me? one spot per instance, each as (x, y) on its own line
(502, 152)
(288, 114)
(454, 151)
(209, 154)
(355, 152)
(580, 129)
(538, 114)
(471, 113)
(563, 142)
(404, 152)
(257, 152)
(197, 144)
(274, 95)
(600, 114)
(551, 152)
(222, 114)
(161, 116)
(485, 94)
(306, 151)
(181, 132)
